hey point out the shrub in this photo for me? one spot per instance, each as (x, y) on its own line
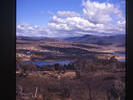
(56, 66)
(29, 67)
(78, 74)
(117, 91)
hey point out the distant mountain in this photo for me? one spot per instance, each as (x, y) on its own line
(94, 39)
(29, 38)
(38, 39)
(100, 40)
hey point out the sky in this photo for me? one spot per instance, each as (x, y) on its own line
(68, 18)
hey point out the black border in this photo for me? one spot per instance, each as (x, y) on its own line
(129, 50)
(8, 49)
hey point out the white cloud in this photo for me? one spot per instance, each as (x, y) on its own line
(100, 12)
(98, 18)
(50, 12)
(31, 30)
(67, 14)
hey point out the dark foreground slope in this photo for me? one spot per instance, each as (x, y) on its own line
(83, 80)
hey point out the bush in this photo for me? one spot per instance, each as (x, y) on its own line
(56, 66)
(78, 74)
(48, 68)
(29, 67)
(117, 91)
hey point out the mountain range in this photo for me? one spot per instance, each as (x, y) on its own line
(100, 40)
(93, 39)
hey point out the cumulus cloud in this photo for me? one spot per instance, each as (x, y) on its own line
(31, 30)
(100, 12)
(97, 18)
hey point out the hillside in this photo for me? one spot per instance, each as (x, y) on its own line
(53, 69)
(100, 40)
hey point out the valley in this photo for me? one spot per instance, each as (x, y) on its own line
(55, 69)
(48, 49)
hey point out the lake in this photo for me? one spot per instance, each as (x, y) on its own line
(120, 54)
(43, 63)
(122, 60)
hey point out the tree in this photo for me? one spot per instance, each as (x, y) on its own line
(117, 91)
(66, 92)
(56, 66)
(77, 74)
(29, 67)
(113, 59)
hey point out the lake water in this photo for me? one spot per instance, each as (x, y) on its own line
(122, 55)
(43, 63)
(121, 60)
(66, 62)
